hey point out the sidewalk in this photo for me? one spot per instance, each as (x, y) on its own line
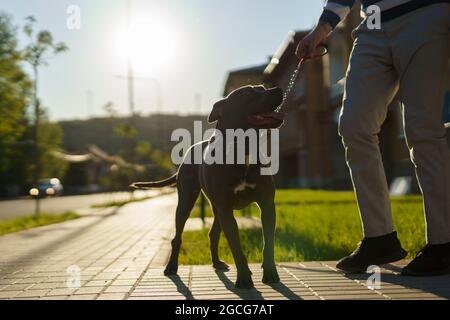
(121, 254)
(113, 250)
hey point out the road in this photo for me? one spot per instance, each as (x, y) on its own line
(23, 207)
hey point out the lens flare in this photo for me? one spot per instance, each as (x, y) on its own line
(148, 43)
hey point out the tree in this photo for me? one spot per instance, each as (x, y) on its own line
(50, 139)
(15, 90)
(18, 137)
(40, 48)
(136, 151)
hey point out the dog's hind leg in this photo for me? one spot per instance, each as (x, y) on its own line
(214, 236)
(188, 190)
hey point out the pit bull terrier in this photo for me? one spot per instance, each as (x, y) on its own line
(230, 187)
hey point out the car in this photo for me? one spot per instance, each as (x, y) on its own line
(47, 188)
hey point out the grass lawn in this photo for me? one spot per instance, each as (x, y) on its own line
(28, 222)
(311, 225)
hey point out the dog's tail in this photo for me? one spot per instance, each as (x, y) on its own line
(156, 184)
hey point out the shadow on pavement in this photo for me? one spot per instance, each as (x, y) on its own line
(252, 293)
(181, 286)
(439, 285)
(285, 291)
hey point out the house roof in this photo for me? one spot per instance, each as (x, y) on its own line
(97, 154)
(253, 69)
(285, 51)
(244, 76)
(72, 158)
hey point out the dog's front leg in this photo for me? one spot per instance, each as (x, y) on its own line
(231, 231)
(268, 220)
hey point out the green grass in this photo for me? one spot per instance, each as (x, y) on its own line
(312, 225)
(28, 222)
(196, 212)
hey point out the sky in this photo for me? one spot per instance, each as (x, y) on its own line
(191, 45)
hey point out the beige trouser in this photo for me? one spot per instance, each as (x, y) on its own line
(410, 56)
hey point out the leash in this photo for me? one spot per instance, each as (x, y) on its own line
(320, 51)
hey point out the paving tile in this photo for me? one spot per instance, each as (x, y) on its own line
(33, 293)
(8, 281)
(355, 297)
(179, 297)
(118, 289)
(54, 297)
(60, 292)
(121, 256)
(406, 296)
(106, 276)
(16, 287)
(44, 286)
(30, 280)
(89, 290)
(97, 283)
(9, 294)
(123, 282)
(83, 297)
(111, 296)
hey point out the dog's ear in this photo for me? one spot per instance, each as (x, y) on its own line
(217, 110)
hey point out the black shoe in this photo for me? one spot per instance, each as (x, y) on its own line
(432, 260)
(373, 251)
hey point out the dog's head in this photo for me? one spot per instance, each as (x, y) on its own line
(249, 107)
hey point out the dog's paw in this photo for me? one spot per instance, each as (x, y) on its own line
(220, 265)
(171, 270)
(244, 282)
(270, 276)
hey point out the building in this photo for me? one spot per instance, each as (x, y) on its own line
(243, 77)
(94, 171)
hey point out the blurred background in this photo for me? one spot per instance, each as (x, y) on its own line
(90, 91)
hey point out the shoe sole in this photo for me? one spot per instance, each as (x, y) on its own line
(426, 274)
(399, 255)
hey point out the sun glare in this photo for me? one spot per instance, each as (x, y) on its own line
(148, 43)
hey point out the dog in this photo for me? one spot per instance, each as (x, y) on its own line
(230, 187)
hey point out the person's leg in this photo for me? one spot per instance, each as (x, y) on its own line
(372, 82)
(421, 50)
(422, 93)
(371, 85)
(423, 67)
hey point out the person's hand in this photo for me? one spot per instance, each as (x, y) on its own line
(307, 46)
